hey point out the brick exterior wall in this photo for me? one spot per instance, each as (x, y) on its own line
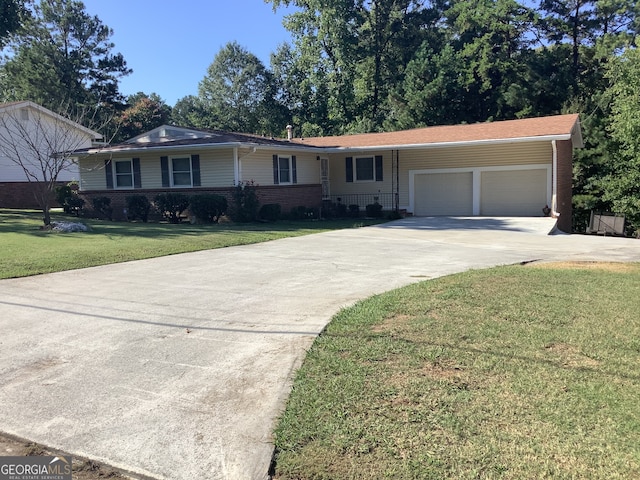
(288, 196)
(20, 195)
(565, 184)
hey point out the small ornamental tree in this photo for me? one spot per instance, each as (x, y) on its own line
(245, 202)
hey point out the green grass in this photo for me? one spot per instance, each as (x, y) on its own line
(508, 373)
(27, 250)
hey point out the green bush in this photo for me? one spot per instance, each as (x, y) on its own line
(208, 207)
(68, 199)
(374, 210)
(102, 206)
(138, 207)
(270, 212)
(298, 213)
(354, 210)
(245, 202)
(303, 213)
(394, 215)
(171, 205)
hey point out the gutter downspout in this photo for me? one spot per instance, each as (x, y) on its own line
(554, 187)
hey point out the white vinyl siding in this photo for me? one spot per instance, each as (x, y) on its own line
(216, 170)
(92, 174)
(338, 180)
(258, 167)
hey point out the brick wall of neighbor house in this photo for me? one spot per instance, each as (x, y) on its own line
(287, 196)
(565, 184)
(20, 195)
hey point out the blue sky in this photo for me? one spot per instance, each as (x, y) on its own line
(169, 45)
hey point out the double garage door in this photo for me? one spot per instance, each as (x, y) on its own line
(497, 193)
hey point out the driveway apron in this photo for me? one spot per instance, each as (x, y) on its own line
(177, 367)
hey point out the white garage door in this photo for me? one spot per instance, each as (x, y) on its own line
(443, 194)
(513, 193)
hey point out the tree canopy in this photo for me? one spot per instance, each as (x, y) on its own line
(62, 58)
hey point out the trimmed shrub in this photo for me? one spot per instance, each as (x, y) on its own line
(171, 205)
(394, 215)
(374, 210)
(138, 207)
(208, 207)
(245, 202)
(339, 210)
(298, 213)
(354, 210)
(102, 206)
(270, 212)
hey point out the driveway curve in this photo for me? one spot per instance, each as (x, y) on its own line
(177, 367)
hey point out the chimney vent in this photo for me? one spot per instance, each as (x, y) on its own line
(289, 132)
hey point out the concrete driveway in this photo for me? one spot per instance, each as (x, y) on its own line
(177, 367)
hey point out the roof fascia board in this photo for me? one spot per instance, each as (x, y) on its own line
(203, 146)
(542, 138)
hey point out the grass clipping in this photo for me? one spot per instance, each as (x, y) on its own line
(513, 372)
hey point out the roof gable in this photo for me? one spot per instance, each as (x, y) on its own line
(27, 104)
(169, 133)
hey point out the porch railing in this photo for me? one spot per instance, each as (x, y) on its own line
(364, 199)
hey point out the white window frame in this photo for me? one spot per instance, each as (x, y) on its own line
(171, 171)
(373, 169)
(114, 172)
(288, 159)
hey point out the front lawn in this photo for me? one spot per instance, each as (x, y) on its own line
(26, 250)
(514, 372)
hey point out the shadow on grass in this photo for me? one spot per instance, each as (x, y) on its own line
(28, 222)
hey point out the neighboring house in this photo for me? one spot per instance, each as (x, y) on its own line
(24, 127)
(508, 168)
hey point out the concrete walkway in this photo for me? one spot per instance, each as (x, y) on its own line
(177, 367)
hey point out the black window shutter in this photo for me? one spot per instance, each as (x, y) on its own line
(108, 174)
(137, 181)
(195, 170)
(276, 177)
(294, 173)
(164, 166)
(378, 168)
(349, 169)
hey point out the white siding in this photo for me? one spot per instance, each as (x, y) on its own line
(216, 169)
(48, 133)
(338, 175)
(92, 176)
(258, 166)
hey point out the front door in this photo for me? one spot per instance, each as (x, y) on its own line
(324, 178)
